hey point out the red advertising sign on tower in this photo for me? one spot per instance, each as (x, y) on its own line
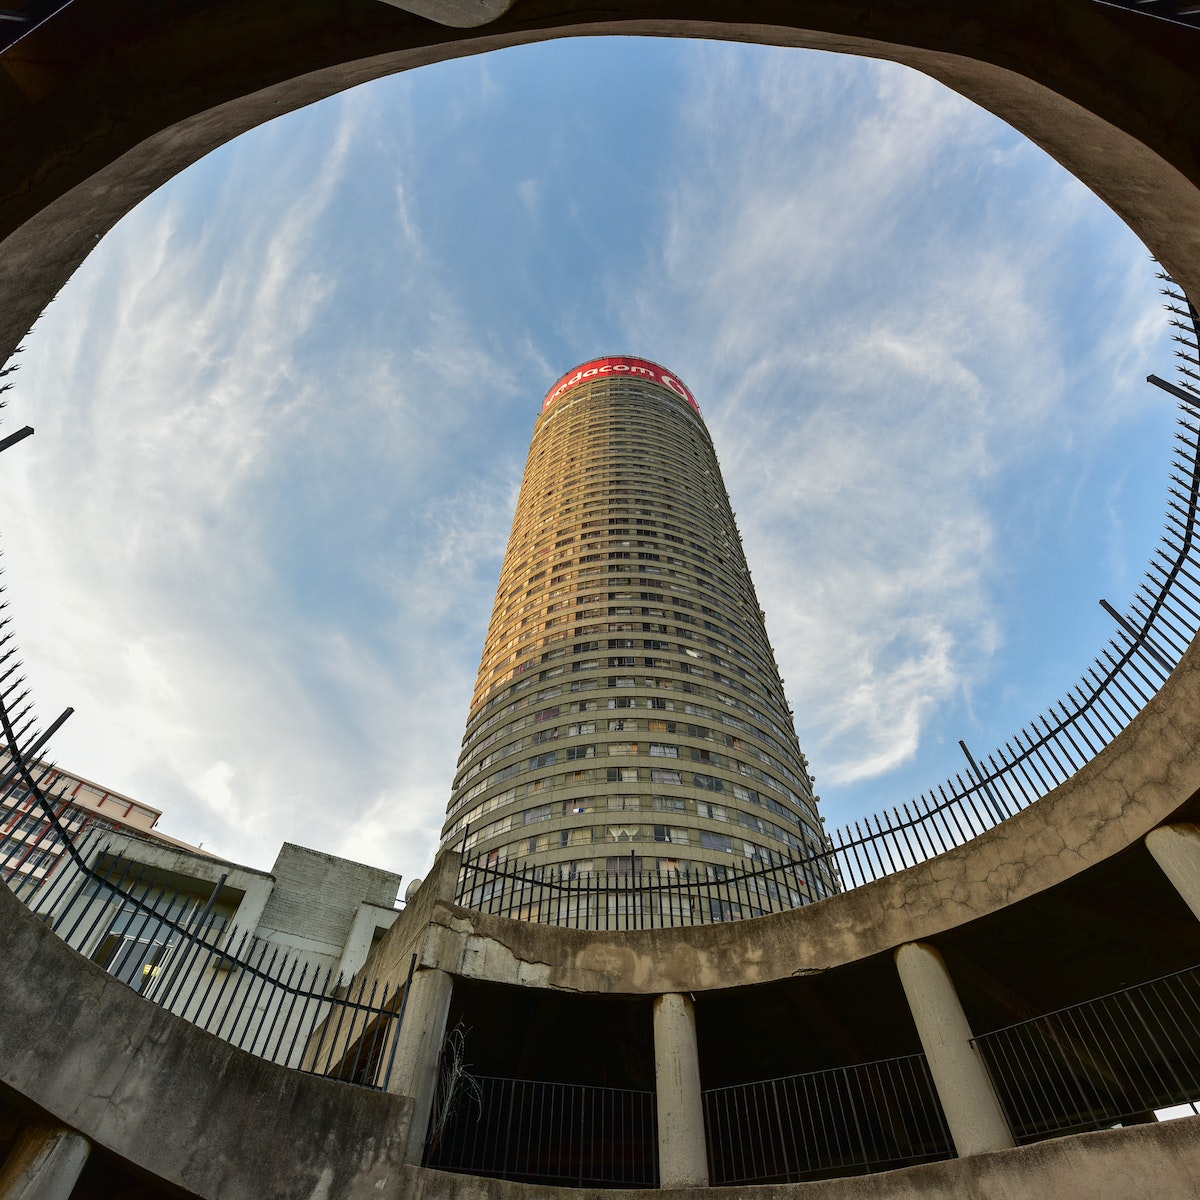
(619, 368)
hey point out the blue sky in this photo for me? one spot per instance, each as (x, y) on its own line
(283, 409)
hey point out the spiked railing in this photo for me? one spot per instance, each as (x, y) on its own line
(176, 948)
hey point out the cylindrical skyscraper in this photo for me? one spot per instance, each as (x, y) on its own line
(629, 714)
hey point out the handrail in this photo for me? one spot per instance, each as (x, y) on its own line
(538, 1131)
(777, 1130)
(1114, 1059)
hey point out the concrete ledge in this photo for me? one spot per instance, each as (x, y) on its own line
(458, 14)
(1148, 774)
(174, 1101)
(1148, 1162)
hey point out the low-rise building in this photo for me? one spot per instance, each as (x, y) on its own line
(262, 957)
(30, 850)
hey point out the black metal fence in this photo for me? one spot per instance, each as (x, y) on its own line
(1113, 1060)
(634, 900)
(1163, 619)
(538, 1132)
(173, 944)
(170, 942)
(849, 1120)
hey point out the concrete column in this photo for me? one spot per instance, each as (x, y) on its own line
(44, 1164)
(682, 1153)
(414, 1072)
(1176, 849)
(968, 1099)
(249, 911)
(361, 936)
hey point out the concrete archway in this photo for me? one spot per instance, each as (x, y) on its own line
(110, 99)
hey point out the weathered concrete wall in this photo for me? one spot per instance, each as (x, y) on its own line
(414, 931)
(202, 1116)
(317, 897)
(1137, 783)
(176, 1102)
(419, 928)
(1149, 1162)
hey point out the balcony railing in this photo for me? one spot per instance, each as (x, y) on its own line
(1114, 1060)
(845, 1121)
(539, 1132)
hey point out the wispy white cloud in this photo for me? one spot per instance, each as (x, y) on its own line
(859, 276)
(225, 461)
(282, 413)
(530, 192)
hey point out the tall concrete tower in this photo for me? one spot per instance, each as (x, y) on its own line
(629, 714)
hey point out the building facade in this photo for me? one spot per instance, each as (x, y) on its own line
(259, 956)
(31, 852)
(262, 957)
(628, 714)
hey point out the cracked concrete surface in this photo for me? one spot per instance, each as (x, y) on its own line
(177, 1102)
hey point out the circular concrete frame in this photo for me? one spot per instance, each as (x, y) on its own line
(97, 111)
(110, 99)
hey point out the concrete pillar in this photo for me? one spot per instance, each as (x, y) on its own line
(1176, 849)
(44, 1164)
(682, 1153)
(968, 1099)
(414, 1072)
(249, 911)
